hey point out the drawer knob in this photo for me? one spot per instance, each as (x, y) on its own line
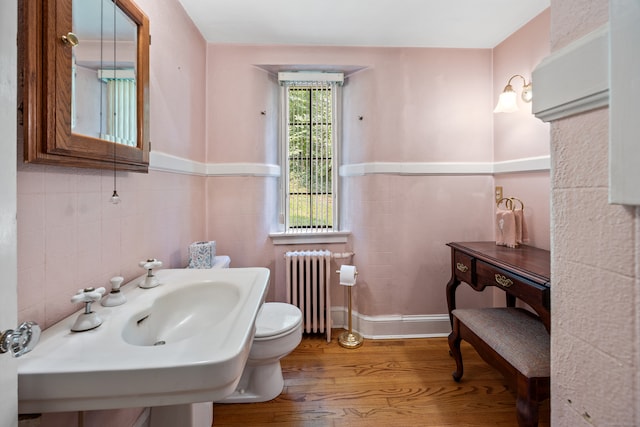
(460, 266)
(503, 280)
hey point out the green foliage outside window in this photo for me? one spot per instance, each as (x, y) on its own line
(310, 157)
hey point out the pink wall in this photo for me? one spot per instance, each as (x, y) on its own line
(400, 226)
(71, 237)
(178, 66)
(521, 135)
(418, 105)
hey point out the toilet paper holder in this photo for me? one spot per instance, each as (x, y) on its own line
(355, 273)
(350, 339)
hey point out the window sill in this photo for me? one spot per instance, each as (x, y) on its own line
(309, 237)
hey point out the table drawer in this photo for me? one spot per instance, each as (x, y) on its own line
(463, 266)
(489, 275)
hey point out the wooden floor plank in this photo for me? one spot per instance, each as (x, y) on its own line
(399, 382)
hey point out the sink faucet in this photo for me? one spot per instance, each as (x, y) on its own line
(150, 281)
(115, 297)
(89, 319)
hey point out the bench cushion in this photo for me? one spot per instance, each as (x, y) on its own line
(520, 338)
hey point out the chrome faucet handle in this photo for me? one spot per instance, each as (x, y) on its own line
(21, 340)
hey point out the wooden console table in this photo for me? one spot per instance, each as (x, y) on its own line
(522, 273)
(512, 340)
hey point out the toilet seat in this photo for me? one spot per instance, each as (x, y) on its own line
(276, 319)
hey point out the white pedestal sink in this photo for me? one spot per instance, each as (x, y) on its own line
(184, 341)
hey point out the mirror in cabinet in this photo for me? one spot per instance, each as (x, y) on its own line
(83, 69)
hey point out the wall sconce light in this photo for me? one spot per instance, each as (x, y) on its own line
(507, 101)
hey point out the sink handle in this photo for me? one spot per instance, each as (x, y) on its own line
(116, 282)
(115, 297)
(150, 281)
(89, 319)
(150, 264)
(20, 341)
(88, 295)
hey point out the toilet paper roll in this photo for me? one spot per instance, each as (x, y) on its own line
(348, 275)
(202, 254)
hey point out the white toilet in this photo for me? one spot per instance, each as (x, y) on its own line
(278, 333)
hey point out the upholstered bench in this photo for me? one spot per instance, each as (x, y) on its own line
(515, 342)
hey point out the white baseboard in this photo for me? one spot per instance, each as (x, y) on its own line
(393, 326)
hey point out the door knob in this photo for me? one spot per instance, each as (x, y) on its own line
(21, 340)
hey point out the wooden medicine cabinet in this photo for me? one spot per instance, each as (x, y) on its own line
(83, 83)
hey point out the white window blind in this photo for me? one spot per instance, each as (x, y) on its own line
(309, 150)
(121, 106)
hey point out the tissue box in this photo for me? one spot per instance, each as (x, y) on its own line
(202, 254)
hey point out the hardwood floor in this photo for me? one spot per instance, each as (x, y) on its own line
(399, 382)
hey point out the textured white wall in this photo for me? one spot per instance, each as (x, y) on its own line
(594, 261)
(593, 275)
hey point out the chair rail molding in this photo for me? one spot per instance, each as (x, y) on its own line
(163, 162)
(528, 164)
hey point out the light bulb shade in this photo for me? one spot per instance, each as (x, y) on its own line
(507, 102)
(115, 198)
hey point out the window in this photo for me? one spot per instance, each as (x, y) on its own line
(310, 130)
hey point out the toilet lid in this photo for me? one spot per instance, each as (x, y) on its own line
(275, 318)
